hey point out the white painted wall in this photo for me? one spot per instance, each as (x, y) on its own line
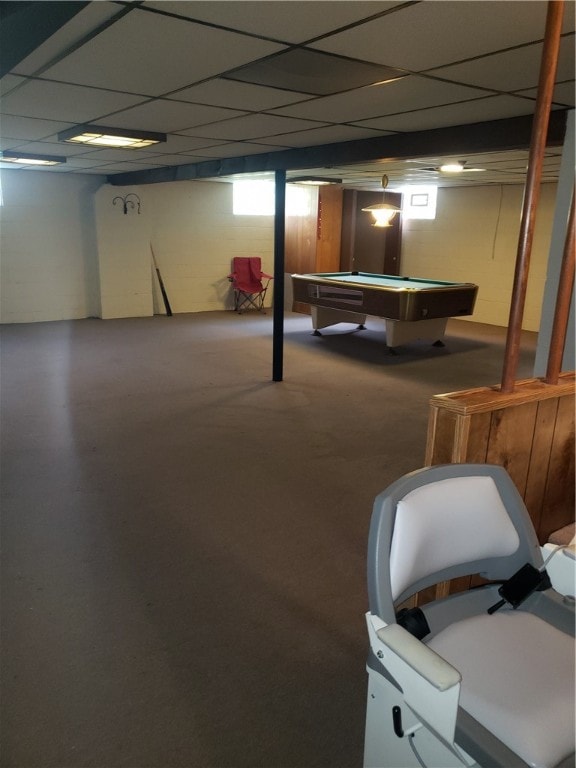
(123, 254)
(68, 252)
(474, 238)
(48, 258)
(194, 235)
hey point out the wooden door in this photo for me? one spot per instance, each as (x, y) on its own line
(364, 247)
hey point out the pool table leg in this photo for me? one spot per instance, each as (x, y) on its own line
(322, 317)
(401, 331)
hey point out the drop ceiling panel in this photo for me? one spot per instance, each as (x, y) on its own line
(253, 127)
(476, 111)
(163, 54)
(29, 128)
(169, 116)
(185, 159)
(96, 171)
(443, 35)
(53, 148)
(60, 101)
(235, 149)
(113, 155)
(294, 21)
(84, 162)
(511, 70)
(176, 143)
(313, 72)
(328, 135)
(564, 93)
(237, 95)
(107, 168)
(109, 62)
(10, 143)
(378, 100)
(9, 82)
(88, 19)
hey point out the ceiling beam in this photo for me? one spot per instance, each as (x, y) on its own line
(493, 136)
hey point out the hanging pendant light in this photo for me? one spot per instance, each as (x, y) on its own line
(383, 214)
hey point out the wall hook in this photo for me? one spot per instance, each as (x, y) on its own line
(127, 201)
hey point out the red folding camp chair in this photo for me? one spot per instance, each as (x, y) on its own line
(249, 283)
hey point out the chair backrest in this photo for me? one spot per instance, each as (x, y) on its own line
(442, 522)
(247, 272)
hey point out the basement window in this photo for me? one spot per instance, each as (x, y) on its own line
(256, 198)
(419, 202)
(253, 198)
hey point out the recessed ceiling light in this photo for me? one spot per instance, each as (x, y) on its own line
(119, 138)
(457, 168)
(24, 158)
(314, 180)
(452, 168)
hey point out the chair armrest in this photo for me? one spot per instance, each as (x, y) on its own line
(263, 274)
(560, 564)
(430, 685)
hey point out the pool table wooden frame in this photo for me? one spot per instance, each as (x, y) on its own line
(413, 308)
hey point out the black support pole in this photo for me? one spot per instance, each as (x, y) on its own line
(279, 233)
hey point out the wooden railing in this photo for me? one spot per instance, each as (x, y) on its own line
(529, 431)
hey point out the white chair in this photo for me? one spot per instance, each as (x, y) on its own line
(482, 677)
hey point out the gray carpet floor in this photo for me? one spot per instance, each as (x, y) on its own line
(183, 540)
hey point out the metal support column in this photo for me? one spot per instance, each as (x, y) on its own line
(279, 235)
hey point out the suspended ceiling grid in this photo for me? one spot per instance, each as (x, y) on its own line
(242, 79)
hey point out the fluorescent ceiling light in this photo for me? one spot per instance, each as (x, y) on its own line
(30, 159)
(99, 136)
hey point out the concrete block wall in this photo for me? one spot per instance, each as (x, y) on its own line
(194, 235)
(48, 251)
(474, 238)
(68, 252)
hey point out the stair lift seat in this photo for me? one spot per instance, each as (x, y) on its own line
(455, 684)
(249, 283)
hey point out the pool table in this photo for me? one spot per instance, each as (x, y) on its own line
(413, 308)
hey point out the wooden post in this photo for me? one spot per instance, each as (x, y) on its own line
(562, 310)
(548, 66)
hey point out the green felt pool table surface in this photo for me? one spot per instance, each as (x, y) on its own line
(395, 282)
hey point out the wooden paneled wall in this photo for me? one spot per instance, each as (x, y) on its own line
(530, 432)
(312, 242)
